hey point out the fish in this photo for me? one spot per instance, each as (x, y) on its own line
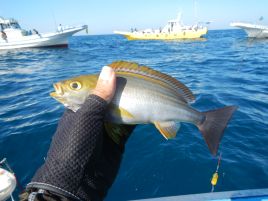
(146, 96)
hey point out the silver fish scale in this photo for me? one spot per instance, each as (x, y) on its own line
(176, 89)
(150, 102)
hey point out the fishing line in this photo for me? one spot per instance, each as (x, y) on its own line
(12, 197)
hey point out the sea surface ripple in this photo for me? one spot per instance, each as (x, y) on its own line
(226, 68)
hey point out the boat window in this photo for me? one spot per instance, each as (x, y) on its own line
(15, 25)
(1, 27)
(4, 26)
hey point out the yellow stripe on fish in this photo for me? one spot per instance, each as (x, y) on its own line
(133, 69)
(120, 111)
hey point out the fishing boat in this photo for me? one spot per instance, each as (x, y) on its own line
(13, 36)
(175, 29)
(252, 30)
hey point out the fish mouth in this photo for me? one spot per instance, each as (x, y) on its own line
(54, 94)
(58, 90)
(58, 97)
(58, 93)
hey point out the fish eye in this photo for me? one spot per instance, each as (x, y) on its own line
(75, 85)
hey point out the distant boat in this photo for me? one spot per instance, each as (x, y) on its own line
(173, 30)
(13, 36)
(252, 30)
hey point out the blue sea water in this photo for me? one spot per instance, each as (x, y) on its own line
(226, 68)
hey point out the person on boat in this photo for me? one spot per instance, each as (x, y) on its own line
(83, 160)
(35, 31)
(4, 35)
(60, 29)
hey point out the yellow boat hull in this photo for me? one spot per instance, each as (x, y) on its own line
(186, 34)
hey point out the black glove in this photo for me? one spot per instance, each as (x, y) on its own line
(83, 159)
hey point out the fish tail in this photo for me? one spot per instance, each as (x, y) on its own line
(214, 123)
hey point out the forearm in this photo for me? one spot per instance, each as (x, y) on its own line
(76, 141)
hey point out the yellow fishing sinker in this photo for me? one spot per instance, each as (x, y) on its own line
(214, 179)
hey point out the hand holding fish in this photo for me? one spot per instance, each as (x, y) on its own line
(83, 160)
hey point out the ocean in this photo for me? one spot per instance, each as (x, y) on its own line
(225, 68)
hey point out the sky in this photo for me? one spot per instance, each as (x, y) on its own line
(105, 16)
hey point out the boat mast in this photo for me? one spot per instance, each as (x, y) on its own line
(195, 12)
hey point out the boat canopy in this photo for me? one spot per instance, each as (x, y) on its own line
(8, 23)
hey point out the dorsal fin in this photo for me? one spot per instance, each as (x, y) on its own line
(130, 67)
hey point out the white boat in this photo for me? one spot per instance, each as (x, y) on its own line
(252, 30)
(13, 36)
(175, 29)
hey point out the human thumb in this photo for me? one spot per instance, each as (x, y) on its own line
(106, 84)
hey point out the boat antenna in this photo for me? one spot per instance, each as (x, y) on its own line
(195, 11)
(54, 18)
(215, 176)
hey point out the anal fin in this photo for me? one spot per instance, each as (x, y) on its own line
(168, 129)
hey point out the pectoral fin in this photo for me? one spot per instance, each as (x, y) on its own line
(168, 129)
(119, 133)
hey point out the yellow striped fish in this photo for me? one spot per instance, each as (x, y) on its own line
(144, 96)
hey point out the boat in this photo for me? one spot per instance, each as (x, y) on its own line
(13, 36)
(175, 29)
(252, 30)
(238, 195)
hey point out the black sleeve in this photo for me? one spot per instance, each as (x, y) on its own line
(75, 149)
